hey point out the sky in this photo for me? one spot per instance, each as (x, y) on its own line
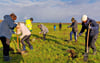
(53, 11)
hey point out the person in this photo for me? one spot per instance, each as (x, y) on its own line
(54, 27)
(29, 24)
(22, 29)
(60, 26)
(6, 28)
(74, 29)
(44, 30)
(94, 30)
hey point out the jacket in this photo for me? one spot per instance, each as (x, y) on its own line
(24, 30)
(74, 26)
(94, 27)
(29, 24)
(44, 30)
(6, 27)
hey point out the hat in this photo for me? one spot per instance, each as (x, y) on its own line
(72, 19)
(84, 18)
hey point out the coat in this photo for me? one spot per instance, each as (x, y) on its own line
(6, 27)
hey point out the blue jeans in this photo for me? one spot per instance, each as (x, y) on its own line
(75, 35)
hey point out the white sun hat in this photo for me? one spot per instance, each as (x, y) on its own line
(84, 18)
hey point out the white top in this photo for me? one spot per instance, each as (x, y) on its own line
(24, 30)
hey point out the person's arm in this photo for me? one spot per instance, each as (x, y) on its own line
(82, 30)
(11, 24)
(70, 25)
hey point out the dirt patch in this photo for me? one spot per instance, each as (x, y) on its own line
(72, 53)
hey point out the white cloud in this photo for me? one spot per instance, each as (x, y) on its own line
(50, 10)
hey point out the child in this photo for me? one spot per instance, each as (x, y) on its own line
(21, 28)
(54, 27)
(44, 30)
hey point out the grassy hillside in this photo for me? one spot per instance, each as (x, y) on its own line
(55, 49)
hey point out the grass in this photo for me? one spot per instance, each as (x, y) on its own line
(54, 49)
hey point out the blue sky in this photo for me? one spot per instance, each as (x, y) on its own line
(51, 10)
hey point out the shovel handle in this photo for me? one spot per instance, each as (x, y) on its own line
(88, 38)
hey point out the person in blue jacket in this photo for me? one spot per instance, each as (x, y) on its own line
(54, 27)
(6, 28)
(94, 30)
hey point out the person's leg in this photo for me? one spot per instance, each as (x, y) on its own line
(93, 43)
(22, 41)
(5, 48)
(71, 35)
(27, 41)
(44, 35)
(75, 36)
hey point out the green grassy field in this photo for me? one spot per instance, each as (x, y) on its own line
(54, 49)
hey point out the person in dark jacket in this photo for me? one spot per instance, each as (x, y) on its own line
(44, 30)
(74, 29)
(94, 30)
(6, 28)
(60, 26)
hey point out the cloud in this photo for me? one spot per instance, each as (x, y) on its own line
(50, 10)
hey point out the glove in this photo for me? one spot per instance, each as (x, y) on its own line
(90, 27)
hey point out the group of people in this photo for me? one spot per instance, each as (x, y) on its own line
(90, 36)
(8, 24)
(7, 27)
(60, 26)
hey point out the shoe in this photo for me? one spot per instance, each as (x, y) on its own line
(24, 48)
(31, 47)
(69, 40)
(94, 53)
(6, 58)
(85, 56)
(75, 40)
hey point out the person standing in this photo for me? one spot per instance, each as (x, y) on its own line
(74, 29)
(44, 30)
(6, 28)
(60, 26)
(54, 27)
(93, 33)
(29, 24)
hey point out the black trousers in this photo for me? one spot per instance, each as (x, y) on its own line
(4, 41)
(44, 35)
(26, 39)
(91, 42)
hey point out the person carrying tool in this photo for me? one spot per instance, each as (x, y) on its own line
(29, 24)
(44, 30)
(22, 29)
(74, 29)
(91, 34)
(6, 28)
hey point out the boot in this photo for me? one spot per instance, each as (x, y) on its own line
(75, 40)
(31, 47)
(6, 58)
(85, 56)
(94, 53)
(24, 48)
(69, 40)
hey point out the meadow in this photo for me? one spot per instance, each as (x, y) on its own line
(55, 49)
